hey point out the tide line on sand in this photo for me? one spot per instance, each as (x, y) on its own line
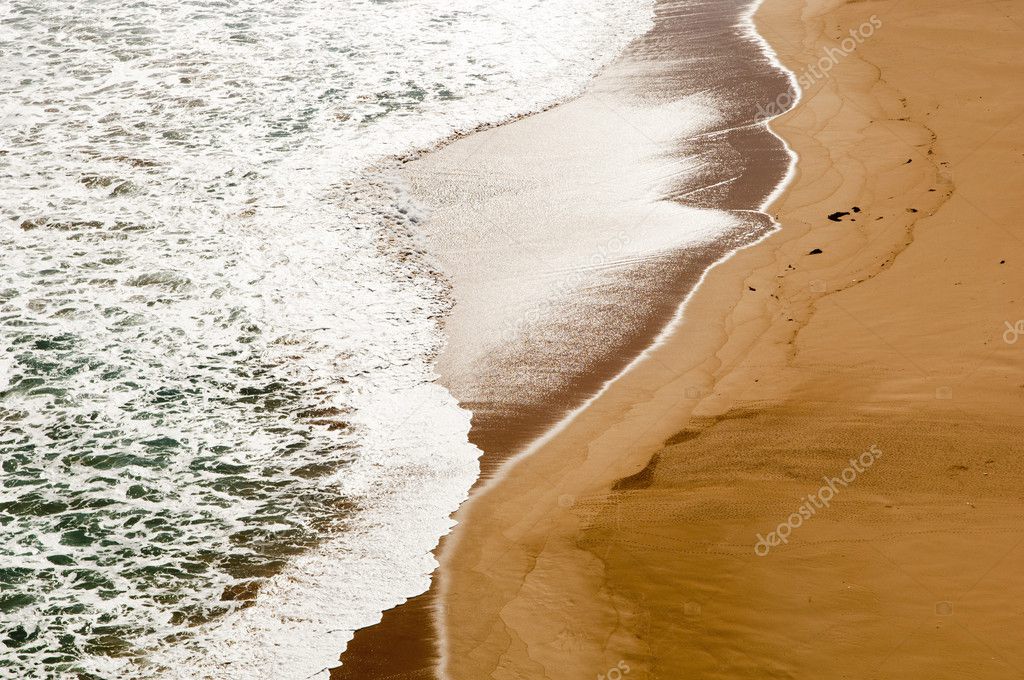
(795, 356)
(586, 165)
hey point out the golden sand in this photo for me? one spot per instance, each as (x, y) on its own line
(625, 543)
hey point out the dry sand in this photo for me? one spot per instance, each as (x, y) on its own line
(624, 544)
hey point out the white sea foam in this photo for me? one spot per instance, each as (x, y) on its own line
(216, 334)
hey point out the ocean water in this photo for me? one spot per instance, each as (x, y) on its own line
(221, 448)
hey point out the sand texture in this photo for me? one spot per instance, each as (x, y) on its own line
(625, 542)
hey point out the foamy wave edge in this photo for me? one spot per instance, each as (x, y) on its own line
(305, 616)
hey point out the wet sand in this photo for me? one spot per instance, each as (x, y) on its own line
(572, 236)
(627, 540)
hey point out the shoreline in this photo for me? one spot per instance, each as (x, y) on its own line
(670, 328)
(644, 64)
(628, 536)
(722, 165)
(627, 539)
